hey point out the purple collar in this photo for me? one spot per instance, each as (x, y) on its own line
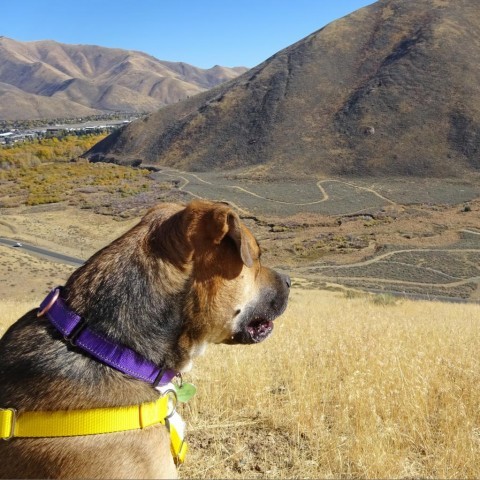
(74, 329)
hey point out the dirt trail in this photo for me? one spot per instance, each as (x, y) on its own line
(389, 254)
(325, 196)
(406, 282)
(9, 226)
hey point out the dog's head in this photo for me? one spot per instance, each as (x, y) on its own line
(191, 272)
(235, 294)
(233, 298)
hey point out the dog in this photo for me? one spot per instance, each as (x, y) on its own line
(184, 277)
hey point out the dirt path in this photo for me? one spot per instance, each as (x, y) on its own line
(458, 281)
(182, 188)
(325, 196)
(9, 226)
(406, 282)
(370, 190)
(389, 254)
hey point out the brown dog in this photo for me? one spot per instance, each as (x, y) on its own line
(182, 278)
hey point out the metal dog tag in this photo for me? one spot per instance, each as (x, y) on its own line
(185, 391)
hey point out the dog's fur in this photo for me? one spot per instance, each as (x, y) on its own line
(182, 278)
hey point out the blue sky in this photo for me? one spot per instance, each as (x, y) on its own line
(202, 33)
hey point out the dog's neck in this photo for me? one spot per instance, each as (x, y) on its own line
(136, 300)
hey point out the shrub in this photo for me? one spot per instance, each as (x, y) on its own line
(385, 299)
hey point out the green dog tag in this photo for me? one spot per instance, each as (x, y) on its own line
(185, 391)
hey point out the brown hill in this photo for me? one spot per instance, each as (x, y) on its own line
(391, 89)
(49, 79)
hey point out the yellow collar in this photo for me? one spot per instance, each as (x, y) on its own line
(95, 421)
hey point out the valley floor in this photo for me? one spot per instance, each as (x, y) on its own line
(414, 237)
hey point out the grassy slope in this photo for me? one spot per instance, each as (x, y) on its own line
(345, 387)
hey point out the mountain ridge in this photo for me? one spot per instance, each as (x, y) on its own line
(89, 79)
(389, 89)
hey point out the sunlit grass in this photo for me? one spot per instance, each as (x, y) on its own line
(346, 387)
(363, 388)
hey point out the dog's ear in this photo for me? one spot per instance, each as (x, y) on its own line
(167, 234)
(220, 221)
(228, 224)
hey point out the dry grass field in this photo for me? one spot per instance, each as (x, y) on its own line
(367, 387)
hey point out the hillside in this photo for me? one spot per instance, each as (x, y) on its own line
(391, 89)
(47, 79)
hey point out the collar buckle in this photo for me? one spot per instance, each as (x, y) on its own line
(77, 330)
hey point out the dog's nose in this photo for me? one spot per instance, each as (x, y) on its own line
(288, 281)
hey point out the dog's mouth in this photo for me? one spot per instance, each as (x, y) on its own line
(259, 329)
(255, 324)
(255, 331)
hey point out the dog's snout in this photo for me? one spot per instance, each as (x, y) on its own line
(284, 279)
(283, 282)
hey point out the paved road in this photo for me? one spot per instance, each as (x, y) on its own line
(43, 252)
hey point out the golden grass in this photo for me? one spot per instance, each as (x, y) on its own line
(11, 310)
(344, 388)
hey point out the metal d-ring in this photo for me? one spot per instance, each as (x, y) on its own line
(174, 408)
(49, 304)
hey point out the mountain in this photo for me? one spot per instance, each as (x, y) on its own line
(391, 89)
(47, 79)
